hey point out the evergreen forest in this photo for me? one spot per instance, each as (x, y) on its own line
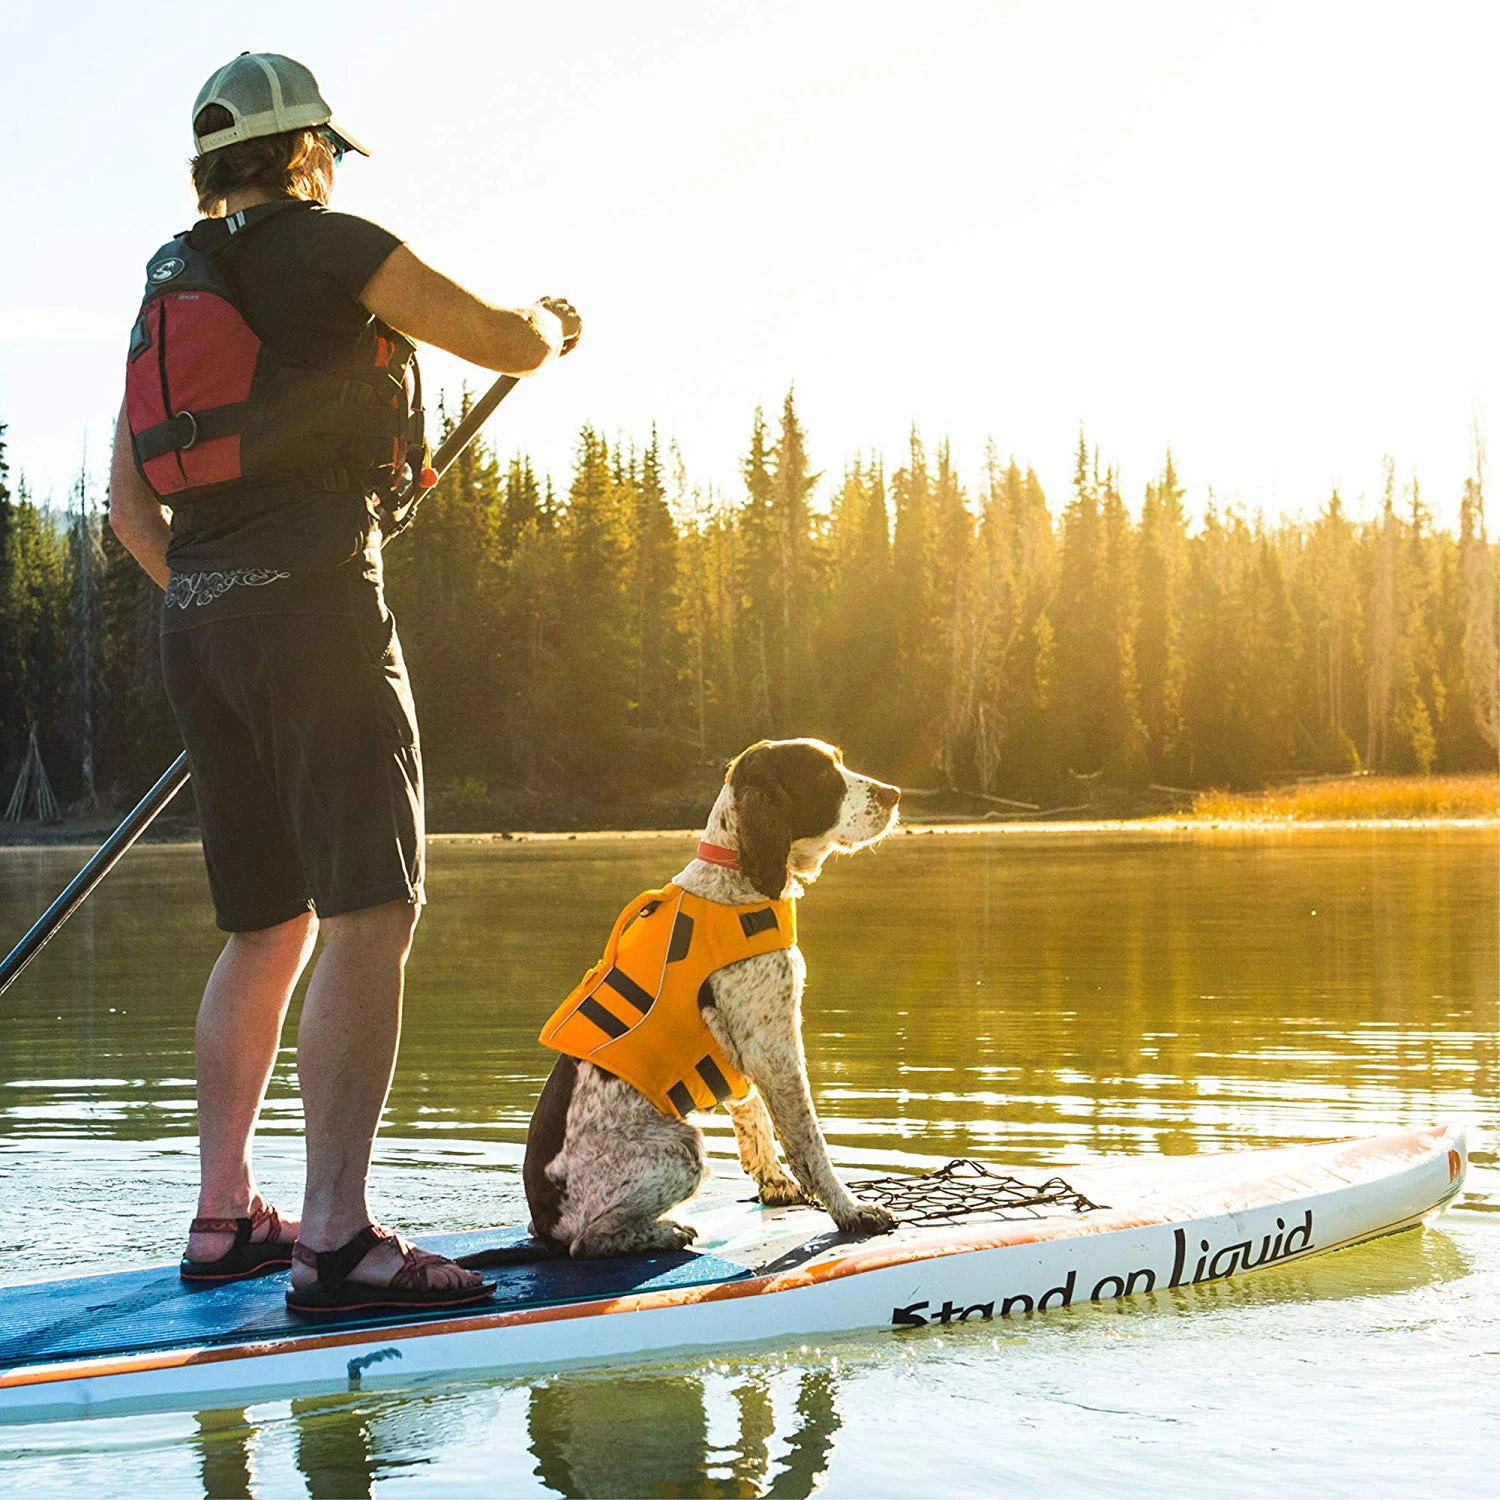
(588, 652)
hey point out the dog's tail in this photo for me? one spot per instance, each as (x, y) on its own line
(528, 1252)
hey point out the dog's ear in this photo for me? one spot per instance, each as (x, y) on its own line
(763, 823)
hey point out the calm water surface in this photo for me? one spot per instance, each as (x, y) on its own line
(1037, 998)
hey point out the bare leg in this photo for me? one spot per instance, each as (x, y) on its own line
(239, 1031)
(346, 1053)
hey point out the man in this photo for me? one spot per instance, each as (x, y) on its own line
(283, 667)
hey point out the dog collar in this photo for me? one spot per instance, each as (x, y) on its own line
(717, 854)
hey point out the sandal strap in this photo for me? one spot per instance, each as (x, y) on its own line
(333, 1266)
(415, 1265)
(239, 1228)
(242, 1228)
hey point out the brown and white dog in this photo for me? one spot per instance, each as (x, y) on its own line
(603, 1164)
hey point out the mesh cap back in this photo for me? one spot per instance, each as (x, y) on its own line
(265, 94)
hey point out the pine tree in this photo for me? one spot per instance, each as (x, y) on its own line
(1086, 671)
(920, 657)
(1383, 630)
(1161, 563)
(1260, 698)
(759, 617)
(1419, 698)
(792, 483)
(35, 608)
(11, 719)
(522, 506)
(442, 579)
(1016, 527)
(1332, 630)
(591, 708)
(1207, 719)
(4, 490)
(858, 627)
(1479, 559)
(86, 565)
(1125, 737)
(657, 644)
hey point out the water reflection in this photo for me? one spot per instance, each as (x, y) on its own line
(741, 1432)
(224, 1440)
(650, 1435)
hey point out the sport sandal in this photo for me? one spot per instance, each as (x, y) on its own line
(333, 1291)
(246, 1257)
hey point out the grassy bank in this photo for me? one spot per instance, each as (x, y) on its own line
(1356, 798)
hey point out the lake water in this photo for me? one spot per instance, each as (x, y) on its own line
(1036, 998)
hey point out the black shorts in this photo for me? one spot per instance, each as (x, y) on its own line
(294, 705)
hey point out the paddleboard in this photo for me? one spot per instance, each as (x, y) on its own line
(963, 1254)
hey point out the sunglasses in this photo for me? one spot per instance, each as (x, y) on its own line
(334, 143)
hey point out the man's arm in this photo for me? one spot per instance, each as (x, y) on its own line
(426, 306)
(136, 516)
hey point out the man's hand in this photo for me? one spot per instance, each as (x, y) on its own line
(567, 315)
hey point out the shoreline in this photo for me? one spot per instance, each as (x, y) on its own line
(90, 838)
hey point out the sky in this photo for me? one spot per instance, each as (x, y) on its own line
(1262, 234)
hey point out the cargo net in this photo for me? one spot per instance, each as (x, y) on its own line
(969, 1190)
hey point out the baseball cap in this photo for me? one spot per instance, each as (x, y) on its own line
(266, 94)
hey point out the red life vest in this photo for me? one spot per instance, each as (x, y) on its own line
(213, 410)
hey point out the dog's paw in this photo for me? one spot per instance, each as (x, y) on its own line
(781, 1190)
(638, 1239)
(668, 1234)
(867, 1218)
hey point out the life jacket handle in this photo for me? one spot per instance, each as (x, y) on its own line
(396, 515)
(626, 917)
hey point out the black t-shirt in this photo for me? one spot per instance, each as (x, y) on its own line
(299, 273)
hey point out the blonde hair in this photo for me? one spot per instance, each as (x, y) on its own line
(294, 164)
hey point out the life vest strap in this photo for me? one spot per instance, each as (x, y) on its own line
(188, 428)
(363, 413)
(761, 920)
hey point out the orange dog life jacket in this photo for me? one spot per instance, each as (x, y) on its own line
(636, 1013)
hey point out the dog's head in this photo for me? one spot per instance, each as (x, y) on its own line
(795, 803)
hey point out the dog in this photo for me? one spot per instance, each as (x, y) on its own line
(604, 1163)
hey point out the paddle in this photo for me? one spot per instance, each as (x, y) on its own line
(175, 777)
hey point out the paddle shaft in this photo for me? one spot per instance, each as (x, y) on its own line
(44, 929)
(175, 777)
(465, 432)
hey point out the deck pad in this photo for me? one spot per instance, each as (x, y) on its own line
(130, 1311)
